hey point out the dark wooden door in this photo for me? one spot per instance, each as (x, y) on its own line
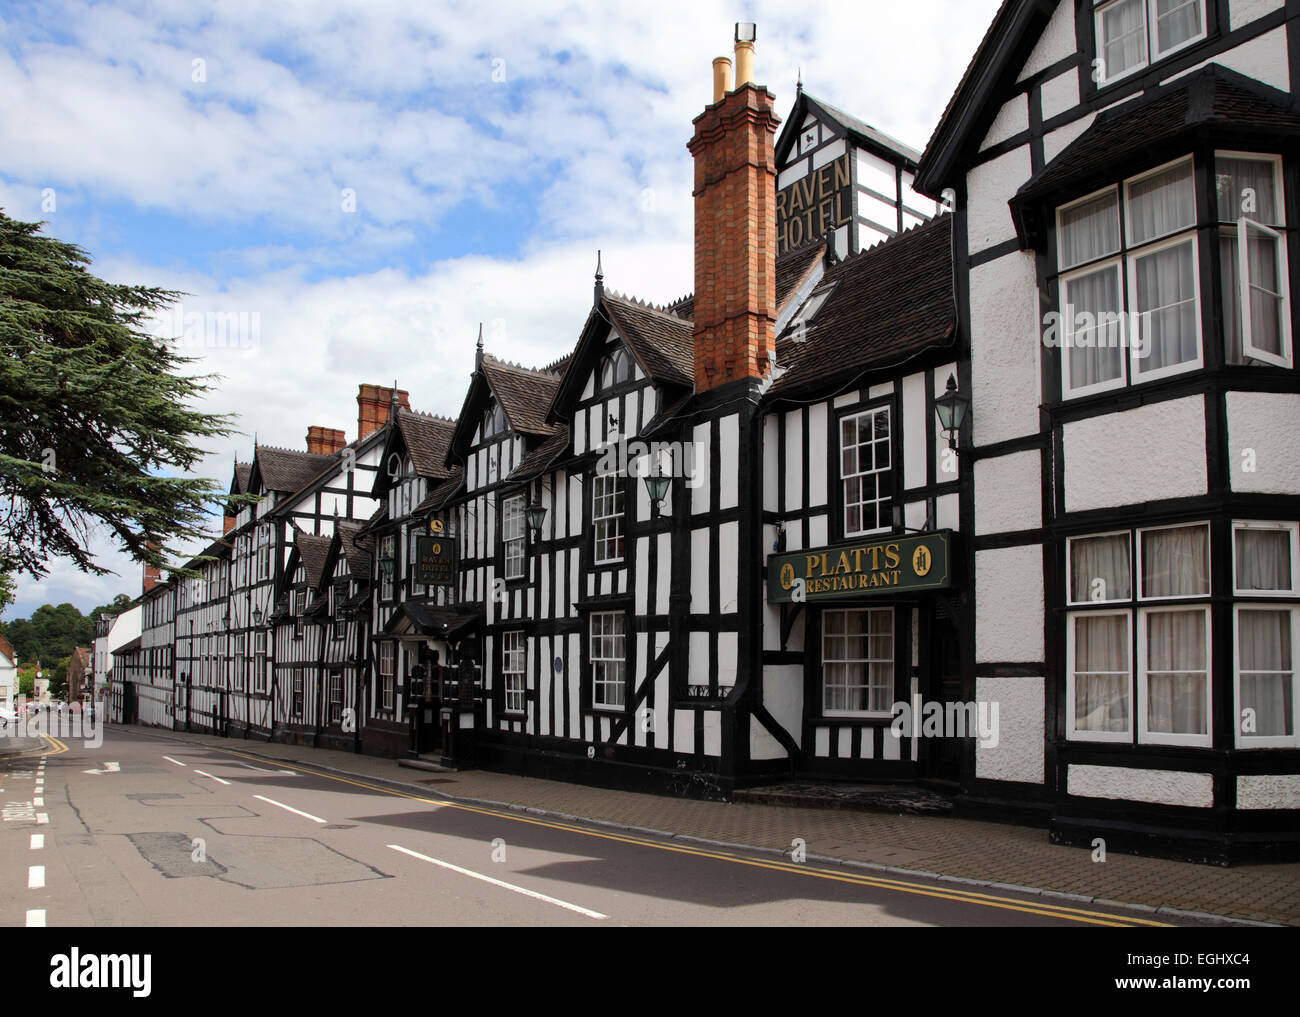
(941, 683)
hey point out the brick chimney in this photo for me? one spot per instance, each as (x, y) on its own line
(735, 227)
(374, 403)
(152, 577)
(324, 441)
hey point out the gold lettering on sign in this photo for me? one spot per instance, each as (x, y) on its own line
(815, 205)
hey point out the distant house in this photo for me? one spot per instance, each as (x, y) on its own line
(8, 672)
(79, 674)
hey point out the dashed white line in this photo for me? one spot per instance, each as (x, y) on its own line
(496, 882)
(35, 877)
(176, 761)
(36, 918)
(38, 841)
(42, 817)
(290, 808)
(203, 773)
(38, 802)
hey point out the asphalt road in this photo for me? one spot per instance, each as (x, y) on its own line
(146, 831)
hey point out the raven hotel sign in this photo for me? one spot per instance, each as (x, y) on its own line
(814, 206)
(864, 568)
(435, 557)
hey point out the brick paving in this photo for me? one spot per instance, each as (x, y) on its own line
(964, 848)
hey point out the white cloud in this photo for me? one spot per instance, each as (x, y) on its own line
(397, 101)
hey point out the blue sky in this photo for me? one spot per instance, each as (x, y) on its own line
(373, 179)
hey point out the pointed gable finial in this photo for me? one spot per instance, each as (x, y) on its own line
(478, 353)
(600, 280)
(798, 85)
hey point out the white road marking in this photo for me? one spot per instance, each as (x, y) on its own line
(38, 802)
(36, 918)
(496, 882)
(289, 808)
(35, 877)
(42, 817)
(176, 761)
(208, 775)
(38, 841)
(108, 768)
(280, 773)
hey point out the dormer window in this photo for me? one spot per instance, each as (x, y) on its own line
(494, 421)
(615, 369)
(1132, 34)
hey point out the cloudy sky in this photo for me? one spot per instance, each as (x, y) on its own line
(366, 182)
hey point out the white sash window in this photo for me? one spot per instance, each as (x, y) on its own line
(1265, 557)
(387, 656)
(608, 661)
(1252, 259)
(1130, 304)
(1139, 642)
(607, 516)
(336, 697)
(858, 663)
(866, 472)
(1131, 34)
(513, 657)
(512, 536)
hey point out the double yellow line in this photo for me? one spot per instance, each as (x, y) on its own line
(1073, 914)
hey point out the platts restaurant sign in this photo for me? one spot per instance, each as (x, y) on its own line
(864, 568)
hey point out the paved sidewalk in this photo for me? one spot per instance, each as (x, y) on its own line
(992, 853)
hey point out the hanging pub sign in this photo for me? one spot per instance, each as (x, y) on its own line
(815, 205)
(862, 568)
(435, 561)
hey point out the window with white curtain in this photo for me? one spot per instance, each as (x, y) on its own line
(1139, 649)
(1130, 298)
(1265, 556)
(1252, 258)
(1131, 34)
(858, 662)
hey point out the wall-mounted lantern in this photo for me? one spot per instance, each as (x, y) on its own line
(535, 514)
(953, 409)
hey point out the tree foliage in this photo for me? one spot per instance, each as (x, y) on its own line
(52, 633)
(97, 425)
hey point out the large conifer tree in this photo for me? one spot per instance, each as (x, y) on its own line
(97, 418)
